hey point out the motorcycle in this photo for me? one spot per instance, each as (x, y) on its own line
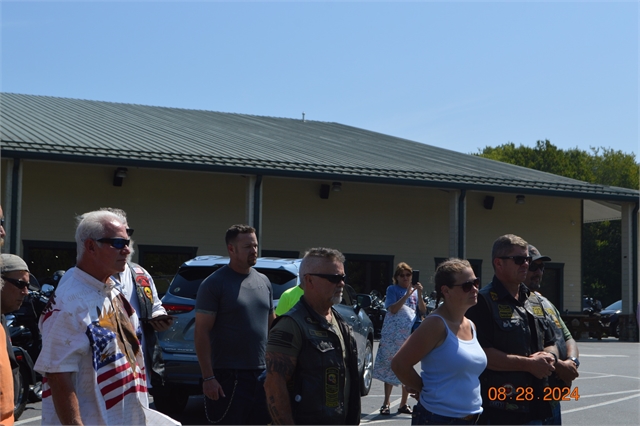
(376, 312)
(27, 343)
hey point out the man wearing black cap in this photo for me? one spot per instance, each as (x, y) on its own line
(567, 364)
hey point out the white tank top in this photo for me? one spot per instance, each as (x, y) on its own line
(450, 384)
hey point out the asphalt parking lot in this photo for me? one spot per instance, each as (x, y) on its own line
(609, 389)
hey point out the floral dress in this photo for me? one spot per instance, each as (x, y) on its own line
(395, 330)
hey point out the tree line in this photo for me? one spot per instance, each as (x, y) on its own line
(601, 241)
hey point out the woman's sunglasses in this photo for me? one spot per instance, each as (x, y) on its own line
(466, 287)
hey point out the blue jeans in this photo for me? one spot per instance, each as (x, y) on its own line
(245, 402)
(422, 416)
(556, 415)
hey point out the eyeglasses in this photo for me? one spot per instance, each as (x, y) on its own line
(21, 284)
(116, 243)
(535, 266)
(404, 275)
(518, 260)
(332, 278)
(466, 287)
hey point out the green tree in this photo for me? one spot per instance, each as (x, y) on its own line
(601, 242)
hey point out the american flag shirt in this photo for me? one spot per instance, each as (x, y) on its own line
(89, 330)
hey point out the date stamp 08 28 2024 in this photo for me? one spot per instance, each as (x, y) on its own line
(527, 394)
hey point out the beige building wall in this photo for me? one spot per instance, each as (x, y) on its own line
(409, 223)
(184, 208)
(165, 207)
(551, 224)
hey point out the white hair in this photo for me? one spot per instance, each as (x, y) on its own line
(92, 225)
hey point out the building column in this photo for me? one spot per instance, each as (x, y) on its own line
(254, 206)
(12, 205)
(458, 223)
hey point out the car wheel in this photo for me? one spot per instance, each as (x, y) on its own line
(615, 329)
(366, 379)
(22, 395)
(170, 400)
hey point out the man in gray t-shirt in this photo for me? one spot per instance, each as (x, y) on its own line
(234, 311)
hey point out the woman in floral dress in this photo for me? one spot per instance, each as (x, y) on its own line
(401, 302)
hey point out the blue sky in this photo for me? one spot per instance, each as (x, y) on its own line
(458, 75)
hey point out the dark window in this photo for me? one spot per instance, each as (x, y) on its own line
(46, 257)
(162, 262)
(369, 272)
(553, 283)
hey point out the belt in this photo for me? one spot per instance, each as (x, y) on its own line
(470, 417)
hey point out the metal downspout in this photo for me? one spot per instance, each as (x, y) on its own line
(461, 223)
(634, 252)
(15, 197)
(257, 204)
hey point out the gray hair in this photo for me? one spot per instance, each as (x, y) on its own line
(92, 225)
(503, 245)
(319, 253)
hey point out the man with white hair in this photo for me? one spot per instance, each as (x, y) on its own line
(91, 358)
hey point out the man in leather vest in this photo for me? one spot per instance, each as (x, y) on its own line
(516, 335)
(136, 284)
(312, 360)
(567, 364)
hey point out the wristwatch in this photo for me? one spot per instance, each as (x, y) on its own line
(575, 360)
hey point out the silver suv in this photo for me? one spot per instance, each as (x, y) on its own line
(182, 372)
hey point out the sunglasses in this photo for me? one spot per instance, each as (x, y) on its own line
(129, 232)
(116, 243)
(18, 283)
(332, 278)
(2, 222)
(404, 275)
(518, 260)
(466, 287)
(535, 266)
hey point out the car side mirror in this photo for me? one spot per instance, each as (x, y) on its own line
(364, 301)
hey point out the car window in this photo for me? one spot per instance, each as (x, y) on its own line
(349, 296)
(615, 306)
(187, 280)
(281, 280)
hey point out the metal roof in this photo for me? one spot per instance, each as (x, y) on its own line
(51, 128)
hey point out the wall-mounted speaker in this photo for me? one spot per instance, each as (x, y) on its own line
(488, 202)
(324, 191)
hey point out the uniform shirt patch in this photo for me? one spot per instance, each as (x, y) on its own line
(505, 311)
(537, 311)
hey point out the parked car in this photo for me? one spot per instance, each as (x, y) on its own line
(609, 317)
(182, 371)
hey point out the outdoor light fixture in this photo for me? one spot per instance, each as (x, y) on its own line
(119, 175)
(519, 199)
(336, 186)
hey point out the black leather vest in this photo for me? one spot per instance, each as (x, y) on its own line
(152, 352)
(513, 325)
(317, 391)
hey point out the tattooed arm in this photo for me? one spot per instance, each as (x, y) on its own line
(280, 369)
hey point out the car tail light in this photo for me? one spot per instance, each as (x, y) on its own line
(173, 308)
(19, 357)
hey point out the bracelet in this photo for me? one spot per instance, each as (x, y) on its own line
(209, 378)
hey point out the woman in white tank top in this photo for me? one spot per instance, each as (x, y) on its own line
(446, 346)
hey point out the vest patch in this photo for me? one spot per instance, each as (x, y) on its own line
(494, 295)
(505, 311)
(537, 311)
(331, 387)
(318, 333)
(324, 346)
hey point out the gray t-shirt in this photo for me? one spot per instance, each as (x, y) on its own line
(242, 304)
